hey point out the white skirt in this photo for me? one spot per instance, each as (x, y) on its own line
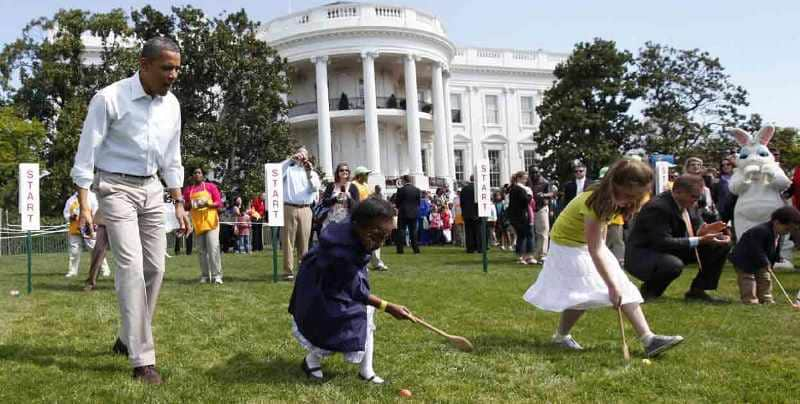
(569, 280)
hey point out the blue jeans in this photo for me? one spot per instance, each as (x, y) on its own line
(524, 238)
(243, 244)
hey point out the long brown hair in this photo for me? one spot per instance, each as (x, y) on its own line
(630, 175)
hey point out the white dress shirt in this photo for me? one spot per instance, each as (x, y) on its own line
(299, 186)
(580, 183)
(127, 131)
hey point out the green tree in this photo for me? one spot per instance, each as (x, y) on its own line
(689, 100)
(21, 141)
(787, 141)
(585, 114)
(56, 83)
(232, 114)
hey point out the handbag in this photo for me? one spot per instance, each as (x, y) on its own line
(318, 215)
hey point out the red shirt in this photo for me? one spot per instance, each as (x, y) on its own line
(258, 205)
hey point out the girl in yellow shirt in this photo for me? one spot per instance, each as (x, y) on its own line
(581, 273)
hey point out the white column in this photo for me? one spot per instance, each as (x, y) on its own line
(323, 116)
(439, 131)
(512, 133)
(412, 117)
(476, 113)
(448, 118)
(371, 117)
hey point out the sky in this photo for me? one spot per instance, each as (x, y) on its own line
(758, 43)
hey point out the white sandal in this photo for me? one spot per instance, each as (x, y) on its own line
(375, 379)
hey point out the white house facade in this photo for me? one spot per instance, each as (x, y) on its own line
(384, 87)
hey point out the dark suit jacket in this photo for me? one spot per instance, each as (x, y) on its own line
(571, 190)
(659, 226)
(407, 201)
(756, 249)
(469, 209)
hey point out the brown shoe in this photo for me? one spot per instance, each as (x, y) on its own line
(147, 375)
(89, 287)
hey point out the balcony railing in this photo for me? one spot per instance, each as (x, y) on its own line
(337, 104)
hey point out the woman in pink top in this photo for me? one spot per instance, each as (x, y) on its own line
(203, 198)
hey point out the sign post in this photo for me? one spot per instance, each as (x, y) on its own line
(29, 209)
(273, 178)
(483, 197)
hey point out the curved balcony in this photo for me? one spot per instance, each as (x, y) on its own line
(347, 15)
(356, 103)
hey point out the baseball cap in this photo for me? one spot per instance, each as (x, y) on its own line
(361, 170)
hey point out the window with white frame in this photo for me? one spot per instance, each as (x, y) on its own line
(494, 168)
(458, 155)
(492, 111)
(527, 110)
(455, 108)
(528, 159)
(425, 161)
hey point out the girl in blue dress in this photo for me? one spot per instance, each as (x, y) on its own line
(331, 305)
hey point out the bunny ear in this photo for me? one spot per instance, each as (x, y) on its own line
(765, 135)
(742, 137)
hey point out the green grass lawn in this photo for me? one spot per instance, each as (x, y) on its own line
(232, 343)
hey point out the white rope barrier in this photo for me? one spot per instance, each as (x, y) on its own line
(18, 226)
(35, 234)
(18, 231)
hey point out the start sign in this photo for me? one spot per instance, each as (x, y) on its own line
(273, 177)
(29, 196)
(483, 189)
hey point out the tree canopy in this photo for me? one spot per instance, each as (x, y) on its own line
(687, 104)
(585, 114)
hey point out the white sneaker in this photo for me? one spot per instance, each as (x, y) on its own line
(71, 274)
(783, 264)
(568, 342)
(106, 273)
(203, 279)
(217, 280)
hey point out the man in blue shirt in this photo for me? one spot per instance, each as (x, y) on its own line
(131, 132)
(300, 186)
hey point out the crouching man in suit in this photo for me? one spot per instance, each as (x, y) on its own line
(667, 236)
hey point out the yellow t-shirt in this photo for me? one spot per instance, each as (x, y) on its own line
(568, 229)
(363, 190)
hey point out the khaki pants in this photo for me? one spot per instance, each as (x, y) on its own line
(208, 252)
(133, 210)
(755, 288)
(295, 235)
(541, 228)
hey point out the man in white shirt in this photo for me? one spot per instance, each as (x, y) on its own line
(300, 186)
(132, 131)
(75, 235)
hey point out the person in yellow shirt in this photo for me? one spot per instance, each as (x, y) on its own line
(361, 188)
(581, 273)
(77, 237)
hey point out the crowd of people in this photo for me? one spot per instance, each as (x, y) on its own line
(333, 232)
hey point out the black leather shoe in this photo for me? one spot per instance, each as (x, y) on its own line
(120, 348)
(702, 296)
